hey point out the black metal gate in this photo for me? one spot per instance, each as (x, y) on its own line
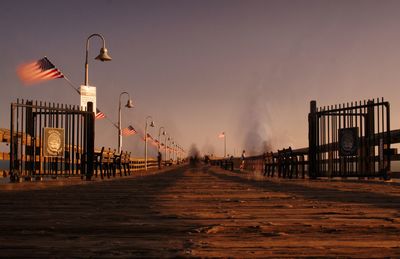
(350, 140)
(50, 139)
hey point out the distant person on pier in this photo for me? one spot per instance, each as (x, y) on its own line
(193, 160)
(206, 159)
(159, 159)
(242, 162)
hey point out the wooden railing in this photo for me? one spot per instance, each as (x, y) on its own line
(106, 161)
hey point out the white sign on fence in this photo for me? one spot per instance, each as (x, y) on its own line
(88, 94)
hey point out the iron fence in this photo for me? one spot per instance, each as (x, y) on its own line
(50, 139)
(350, 140)
(345, 140)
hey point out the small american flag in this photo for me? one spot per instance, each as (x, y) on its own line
(99, 115)
(129, 131)
(149, 136)
(222, 135)
(37, 71)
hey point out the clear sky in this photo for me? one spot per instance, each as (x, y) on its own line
(248, 68)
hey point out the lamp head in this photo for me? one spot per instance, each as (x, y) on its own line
(129, 104)
(164, 132)
(152, 124)
(103, 56)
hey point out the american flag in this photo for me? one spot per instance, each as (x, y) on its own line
(129, 131)
(221, 135)
(99, 115)
(37, 71)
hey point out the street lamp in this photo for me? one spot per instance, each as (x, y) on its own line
(103, 56)
(145, 140)
(178, 152)
(165, 146)
(173, 149)
(129, 104)
(169, 149)
(224, 145)
(159, 133)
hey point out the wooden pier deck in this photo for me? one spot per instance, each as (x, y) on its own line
(199, 212)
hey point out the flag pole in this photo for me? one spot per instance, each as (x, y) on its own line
(77, 90)
(72, 85)
(224, 144)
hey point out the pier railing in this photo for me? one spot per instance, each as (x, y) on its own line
(293, 163)
(345, 140)
(107, 163)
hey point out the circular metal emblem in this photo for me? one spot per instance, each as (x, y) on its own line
(348, 141)
(54, 142)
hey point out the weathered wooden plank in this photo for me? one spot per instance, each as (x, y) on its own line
(200, 212)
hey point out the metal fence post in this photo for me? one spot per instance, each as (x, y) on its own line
(13, 156)
(387, 170)
(29, 148)
(312, 140)
(89, 141)
(369, 134)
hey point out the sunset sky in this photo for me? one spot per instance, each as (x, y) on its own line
(199, 68)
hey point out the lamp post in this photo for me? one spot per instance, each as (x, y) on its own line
(177, 154)
(159, 134)
(173, 151)
(129, 104)
(165, 146)
(159, 139)
(225, 145)
(180, 153)
(103, 56)
(169, 149)
(145, 140)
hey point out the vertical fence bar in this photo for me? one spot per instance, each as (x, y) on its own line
(82, 145)
(325, 142)
(329, 142)
(379, 137)
(370, 138)
(383, 120)
(351, 118)
(73, 143)
(13, 171)
(39, 134)
(373, 137)
(321, 143)
(387, 172)
(346, 123)
(45, 123)
(334, 145)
